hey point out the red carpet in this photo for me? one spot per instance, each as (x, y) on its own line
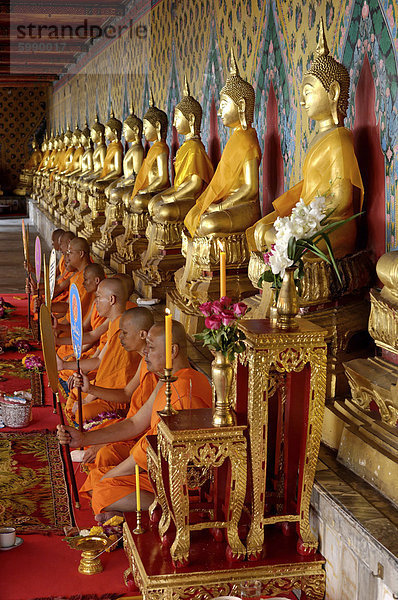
(44, 566)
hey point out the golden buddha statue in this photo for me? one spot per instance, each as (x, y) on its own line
(26, 176)
(51, 168)
(62, 163)
(111, 171)
(330, 168)
(95, 163)
(85, 167)
(67, 179)
(226, 208)
(45, 149)
(152, 177)
(167, 210)
(119, 192)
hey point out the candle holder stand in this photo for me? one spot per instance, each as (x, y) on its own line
(168, 378)
(139, 528)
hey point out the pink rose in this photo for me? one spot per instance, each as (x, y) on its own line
(217, 307)
(225, 301)
(213, 322)
(227, 316)
(205, 308)
(239, 309)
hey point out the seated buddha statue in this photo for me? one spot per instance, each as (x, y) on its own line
(85, 167)
(330, 168)
(152, 178)
(38, 173)
(39, 178)
(119, 192)
(26, 176)
(68, 180)
(73, 168)
(168, 209)
(65, 156)
(95, 163)
(229, 204)
(54, 161)
(111, 170)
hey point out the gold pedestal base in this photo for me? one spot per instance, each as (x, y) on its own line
(369, 439)
(161, 260)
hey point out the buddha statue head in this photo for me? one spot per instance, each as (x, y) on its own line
(85, 136)
(67, 137)
(44, 144)
(113, 127)
(188, 113)
(97, 131)
(132, 127)
(325, 88)
(76, 136)
(236, 99)
(34, 143)
(155, 122)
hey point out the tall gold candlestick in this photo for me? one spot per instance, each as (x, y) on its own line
(223, 270)
(168, 378)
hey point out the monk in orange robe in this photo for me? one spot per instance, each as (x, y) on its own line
(115, 367)
(78, 256)
(134, 326)
(113, 489)
(93, 326)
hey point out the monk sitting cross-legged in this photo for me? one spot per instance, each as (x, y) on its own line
(134, 326)
(112, 490)
(115, 367)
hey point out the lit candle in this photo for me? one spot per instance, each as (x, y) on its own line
(137, 487)
(223, 270)
(168, 338)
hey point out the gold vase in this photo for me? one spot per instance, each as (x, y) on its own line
(222, 375)
(288, 303)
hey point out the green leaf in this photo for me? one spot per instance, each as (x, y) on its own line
(291, 247)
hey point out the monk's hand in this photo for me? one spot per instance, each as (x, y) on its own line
(90, 454)
(71, 380)
(82, 381)
(70, 435)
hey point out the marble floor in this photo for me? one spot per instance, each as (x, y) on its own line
(12, 272)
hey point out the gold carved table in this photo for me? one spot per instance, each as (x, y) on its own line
(281, 386)
(189, 439)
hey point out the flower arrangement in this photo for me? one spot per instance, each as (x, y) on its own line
(33, 363)
(306, 227)
(100, 419)
(221, 333)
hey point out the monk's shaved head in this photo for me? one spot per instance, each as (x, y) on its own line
(140, 317)
(57, 233)
(127, 282)
(80, 245)
(67, 236)
(178, 333)
(95, 270)
(114, 287)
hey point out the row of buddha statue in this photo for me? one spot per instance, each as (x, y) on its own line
(168, 236)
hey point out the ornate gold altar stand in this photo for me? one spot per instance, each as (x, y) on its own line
(209, 574)
(281, 385)
(189, 439)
